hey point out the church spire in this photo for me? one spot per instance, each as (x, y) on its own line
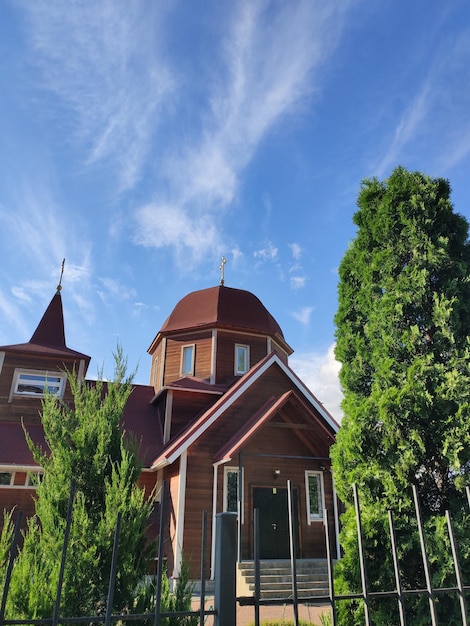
(51, 330)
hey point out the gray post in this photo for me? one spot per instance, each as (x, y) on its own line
(225, 601)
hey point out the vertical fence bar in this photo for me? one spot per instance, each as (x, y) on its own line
(427, 570)
(365, 595)
(256, 563)
(331, 579)
(112, 573)
(396, 568)
(458, 573)
(158, 582)
(202, 597)
(293, 552)
(60, 582)
(467, 489)
(12, 557)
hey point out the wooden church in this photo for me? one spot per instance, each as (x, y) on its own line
(225, 422)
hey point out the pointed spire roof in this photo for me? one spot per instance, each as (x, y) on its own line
(50, 330)
(49, 337)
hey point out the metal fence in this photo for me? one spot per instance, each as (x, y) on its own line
(366, 595)
(225, 600)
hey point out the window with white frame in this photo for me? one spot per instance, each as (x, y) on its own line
(315, 496)
(37, 383)
(242, 359)
(231, 489)
(33, 479)
(187, 360)
(6, 478)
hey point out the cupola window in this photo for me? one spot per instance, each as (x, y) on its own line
(187, 360)
(242, 359)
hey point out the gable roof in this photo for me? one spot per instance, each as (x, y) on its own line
(182, 442)
(272, 407)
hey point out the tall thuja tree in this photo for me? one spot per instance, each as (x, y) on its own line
(403, 326)
(87, 446)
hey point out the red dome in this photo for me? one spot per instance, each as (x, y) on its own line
(222, 307)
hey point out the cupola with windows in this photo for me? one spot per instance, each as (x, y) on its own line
(215, 335)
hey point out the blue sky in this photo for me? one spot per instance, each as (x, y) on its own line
(144, 140)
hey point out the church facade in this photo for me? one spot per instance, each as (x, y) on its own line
(225, 423)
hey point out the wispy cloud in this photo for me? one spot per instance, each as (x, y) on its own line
(268, 253)
(431, 105)
(266, 68)
(162, 226)
(115, 289)
(303, 315)
(103, 62)
(296, 250)
(297, 282)
(320, 372)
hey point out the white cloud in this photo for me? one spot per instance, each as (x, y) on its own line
(265, 69)
(319, 371)
(102, 61)
(297, 282)
(303, 315)
(11, 315)
(21, 294)
(269, 253)
(114, 288)
(296, 250)
(164, 225)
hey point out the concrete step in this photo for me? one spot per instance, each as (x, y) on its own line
(276, 579)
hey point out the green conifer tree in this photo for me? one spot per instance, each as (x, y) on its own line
(86, 445)
(403, 327)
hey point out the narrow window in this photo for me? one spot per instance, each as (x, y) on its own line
(6, 479)
(314, 493)
(187, 360)
(231, 490)
(242, 359)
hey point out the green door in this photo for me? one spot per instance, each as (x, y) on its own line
(273, 518)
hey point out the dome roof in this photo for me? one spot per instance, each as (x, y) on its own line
(222, 307)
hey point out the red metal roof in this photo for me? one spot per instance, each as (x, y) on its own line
(221, 307)
(49, 337)
(140, 419)
(13, 447)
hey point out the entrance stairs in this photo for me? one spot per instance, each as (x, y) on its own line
(276, 579)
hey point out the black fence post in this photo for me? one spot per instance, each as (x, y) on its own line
(225, 601)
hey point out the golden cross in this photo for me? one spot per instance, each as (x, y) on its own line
(222, 270)
(59, 286)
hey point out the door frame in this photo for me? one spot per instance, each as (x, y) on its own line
(297, 525)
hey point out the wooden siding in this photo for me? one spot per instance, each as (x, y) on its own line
(15, 500)
(186, 406)
(25, 406)
(277, 445)
(202, 356)
(226, 341)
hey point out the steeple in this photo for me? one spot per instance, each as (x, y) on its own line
(50, 331)
(49, 337)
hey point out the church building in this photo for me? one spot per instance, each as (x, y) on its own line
(225, 422)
